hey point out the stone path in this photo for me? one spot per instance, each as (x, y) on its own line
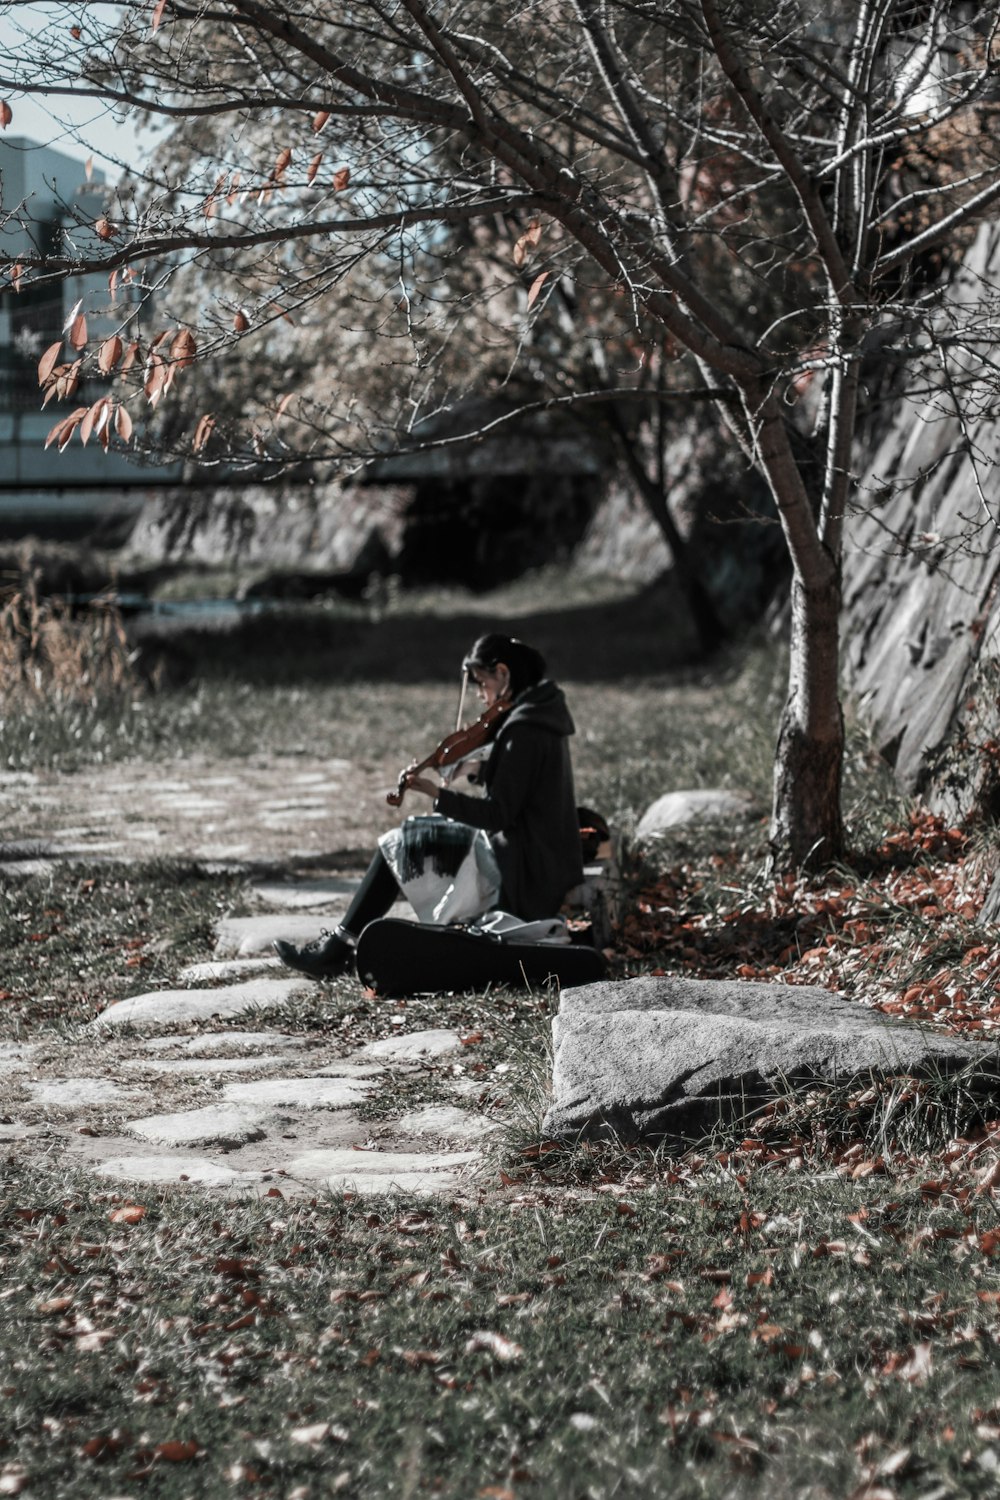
(232, 813)
(194, 1084)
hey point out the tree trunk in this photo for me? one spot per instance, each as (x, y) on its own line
(806, 826)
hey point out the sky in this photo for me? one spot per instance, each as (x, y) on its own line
(78, 127)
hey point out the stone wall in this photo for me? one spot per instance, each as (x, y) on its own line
(921, 573)
(323, 528)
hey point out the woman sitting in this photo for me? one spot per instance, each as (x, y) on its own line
(515, 847)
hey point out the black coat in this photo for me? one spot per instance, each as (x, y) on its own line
(529, 810)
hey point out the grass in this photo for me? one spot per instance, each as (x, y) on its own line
(724, 1334)
(81, 937)
(810, 1311)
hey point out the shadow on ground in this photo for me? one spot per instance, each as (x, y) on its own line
(644, 635)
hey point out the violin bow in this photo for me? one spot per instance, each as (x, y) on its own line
(461, 700)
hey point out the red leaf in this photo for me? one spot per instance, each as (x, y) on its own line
(104, 229)
(536, 287)
(123, 424)
(109, 354)
(158, 10)
(202, 432)
(320, 118)
(88, 168)
(176, 1452)
(280, 166)
(78, 332)
(6, 113)
(76, 33)
(130, 356)
(64, 429)
(183, 348)
(47, 362)
(314, 166)
(16, 272)
(156, 378)
(241, 322)
(341, 178)
(92, 418)
(130, 1214)
(526, 242)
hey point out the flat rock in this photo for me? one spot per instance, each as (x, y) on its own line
(415, 1046)
(445, 1122)
(24, 869)
(169, 1169)
(226, 1128)
(76, 1093)
(243, 937)
(695, 805)
(382, 1171)
(348, 1067)
(16, 1055)
(300, 895)
(208, 1067)
(168, 1007)
(208, 1043)
(300, 1093)
(14, 1130)
(671, 1057)
(228, 968)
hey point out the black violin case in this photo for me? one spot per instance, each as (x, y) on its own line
(399, 958)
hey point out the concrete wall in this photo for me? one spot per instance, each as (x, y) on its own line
(921, 579)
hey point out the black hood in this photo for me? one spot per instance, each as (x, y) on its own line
(544, 707)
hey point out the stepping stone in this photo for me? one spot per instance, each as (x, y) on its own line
(240, 937)
(14, 1055)
(228, 968)
(157, 1169)
(417, 1046)
(382, 1171)
(446, 1122)
(26, 867)
(346, 1067)
(299, 1093)
(77, 1093)
(210, 1042)
(207, 1067)
(275, 815)
(16, 1131)
(328, 777)
(302, 894)
(168, 1007)
(227, 1128)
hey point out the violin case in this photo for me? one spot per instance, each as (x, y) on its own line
(399, 958)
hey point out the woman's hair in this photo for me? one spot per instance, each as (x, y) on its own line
(525, 664)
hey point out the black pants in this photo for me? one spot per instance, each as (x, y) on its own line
(374, 896)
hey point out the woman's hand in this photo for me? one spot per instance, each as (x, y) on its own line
(424, 785)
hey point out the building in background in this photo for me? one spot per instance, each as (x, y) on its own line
(47, 200)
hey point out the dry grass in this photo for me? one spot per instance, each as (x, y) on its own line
(50, 654)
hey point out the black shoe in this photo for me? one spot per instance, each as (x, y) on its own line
(324, 958)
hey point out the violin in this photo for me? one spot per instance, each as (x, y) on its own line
(454, 747)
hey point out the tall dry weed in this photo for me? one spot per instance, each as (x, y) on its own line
(49, 653)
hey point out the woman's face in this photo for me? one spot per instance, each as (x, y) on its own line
(491, 683)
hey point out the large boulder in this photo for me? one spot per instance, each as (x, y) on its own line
(672, 1057)
(695, 805)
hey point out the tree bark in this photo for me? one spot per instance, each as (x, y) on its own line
(806, 824)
